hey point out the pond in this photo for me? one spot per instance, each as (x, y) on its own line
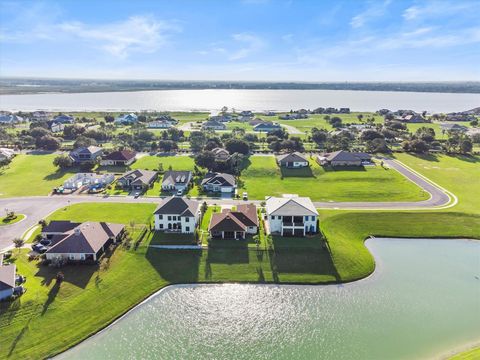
(423, 301)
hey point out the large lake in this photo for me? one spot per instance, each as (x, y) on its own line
(422, 301)
(257, 100)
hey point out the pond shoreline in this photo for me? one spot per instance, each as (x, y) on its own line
(377, 274)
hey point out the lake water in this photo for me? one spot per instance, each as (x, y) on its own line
(256, 100)
(422, 301)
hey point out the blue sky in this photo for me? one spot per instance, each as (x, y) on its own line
(273, 40)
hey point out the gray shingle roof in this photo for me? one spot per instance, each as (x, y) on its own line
(292, 157)
(7, 277)
(176, 205)
(59, 226)
(221, 179)
(295, 206)
(143, 177)
(176, 177)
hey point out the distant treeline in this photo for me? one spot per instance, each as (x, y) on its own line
(29, 86)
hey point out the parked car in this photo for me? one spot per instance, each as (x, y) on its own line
(45, 242)
(245, 196)
(179, 192)
(136, 194)
(39, 248)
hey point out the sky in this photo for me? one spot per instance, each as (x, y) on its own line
(246, 40)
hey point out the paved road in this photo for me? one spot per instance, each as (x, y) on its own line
(38, 207)
(292, 130)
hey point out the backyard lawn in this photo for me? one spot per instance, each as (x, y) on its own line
(263, 178)
(29, 175)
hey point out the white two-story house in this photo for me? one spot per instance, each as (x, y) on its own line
(291, 215)
(177, 214)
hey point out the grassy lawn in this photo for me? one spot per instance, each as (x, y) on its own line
(8, 221)
(458, 174)
(263, 177)
(318, 120)
(152, 162)
(29, 175)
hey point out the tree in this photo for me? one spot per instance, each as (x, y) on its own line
(213, 143)
(466, 146)
(416, 146)
(39, 132)
(360, 117)
(370, 135)
(167, 145)
(63, 161)
(48, 142)
(474, 123)
(237, 146)
(335, 121)
(205, 159)
(18, 243)
(197, 140)
(377, 146)
(426, 134)
(109, 118)
(83, 141)
(319, 136)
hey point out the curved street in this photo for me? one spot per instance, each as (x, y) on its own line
(38, 207)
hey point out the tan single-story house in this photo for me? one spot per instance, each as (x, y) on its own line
(344, 158)
(292, 160)
(85, 242)
(122, 158)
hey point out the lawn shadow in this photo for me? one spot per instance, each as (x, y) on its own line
(175, 266)
(8, 309)
(426, 157)
(52, 294)
(329, 168)
(467, 158)
(78, 275)
(303, 172)
(309, 255)
(61, 173)
(228, 252)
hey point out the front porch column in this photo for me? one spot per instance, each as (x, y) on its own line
(223, 234)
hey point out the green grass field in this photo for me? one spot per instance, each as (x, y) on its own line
(318, 120)
(264, 178)
(152, 162)
(31, 175)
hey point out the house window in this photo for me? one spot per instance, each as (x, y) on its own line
(272, 217)
(82, 256)
(161, 226)
(306, 218)
(279, 217)
(169, 218)
(71, 257)
(160, 217)
(187, 228)
(187, 219)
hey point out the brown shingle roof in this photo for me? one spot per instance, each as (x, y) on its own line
(123, 155)
(227, 220)
(87, 238)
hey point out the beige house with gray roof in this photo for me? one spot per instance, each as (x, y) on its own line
(291, 215)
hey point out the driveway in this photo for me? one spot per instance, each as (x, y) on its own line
(38, 207)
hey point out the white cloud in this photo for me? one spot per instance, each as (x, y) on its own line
(432, 9)
(252, 43)
(374, 10)
(136, 34)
